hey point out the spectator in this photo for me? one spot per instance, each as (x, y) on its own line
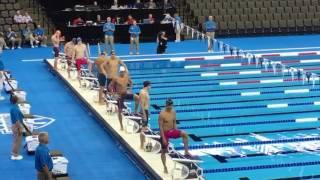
(115, 5)
(167, 19)
(138, 5)
(210, 27)
(18, 18)
(28, 36)
(78, 21)
(108, 29)
(151, 5)
(162, 42)
(177, 27)
(167, 4)
(150, 19)
(13, 38)
(134, 31)
(43, 161)
(16, 121)
(40, 36)
(3, 43)
(130, 20)
(26, 18)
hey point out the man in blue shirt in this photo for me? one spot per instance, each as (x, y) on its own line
(16, 121)
(108, 29)
(134, 31)
(210, 27)
(43, 161)
(40, 36)
(177, 27)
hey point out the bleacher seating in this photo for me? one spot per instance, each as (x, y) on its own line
(8, 9)
(256, 16)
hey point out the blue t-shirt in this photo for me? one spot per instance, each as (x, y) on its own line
(108, 29)
(16, 114)
(42, 158)
(134, 30)
(210, 26)
(39, 32)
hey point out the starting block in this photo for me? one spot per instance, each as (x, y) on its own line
(88, 80)
(185, 168)
(133, 122)
(152, 143)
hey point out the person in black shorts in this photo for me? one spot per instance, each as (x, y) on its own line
(121, 84)
(144, 105)
(101, 76)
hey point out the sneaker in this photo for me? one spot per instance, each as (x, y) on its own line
(130, 53)
(6, 47)
(19, 47)
(12, 48)
(32, 46)
(137, 53)
(16, 158)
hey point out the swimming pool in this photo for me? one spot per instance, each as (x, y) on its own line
(243, 120)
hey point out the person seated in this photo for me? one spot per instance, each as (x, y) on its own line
(139, 5)
(167, 4)
(18, 18)
(28, 36)
(26, 18)
(151, 5)
(115, 5)
(40, 36)
(78, 21)
(130, 20)
(167, 19)
(13, 38)
(3, 43)
(150, 19)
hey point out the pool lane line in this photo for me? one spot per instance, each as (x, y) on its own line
(297, 120)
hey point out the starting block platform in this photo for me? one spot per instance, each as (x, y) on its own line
(147, 161)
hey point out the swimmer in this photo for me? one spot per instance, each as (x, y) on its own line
(81, 56)
(144, 105)
(168, 129)
(101, 76)
(68, 50)
(110, 68)
(121, 84)
(56, 38)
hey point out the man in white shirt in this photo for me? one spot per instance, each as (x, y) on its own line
(18, 18)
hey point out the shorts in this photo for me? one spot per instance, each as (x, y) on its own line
(145, 122)
(122, 98)
(56, 51)
(102, 79)
(80, 62)
(170, 134)
(69, 60)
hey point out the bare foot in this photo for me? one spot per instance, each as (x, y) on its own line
(187, 153)
(121, 128)
(102, 103)
(165, 170)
